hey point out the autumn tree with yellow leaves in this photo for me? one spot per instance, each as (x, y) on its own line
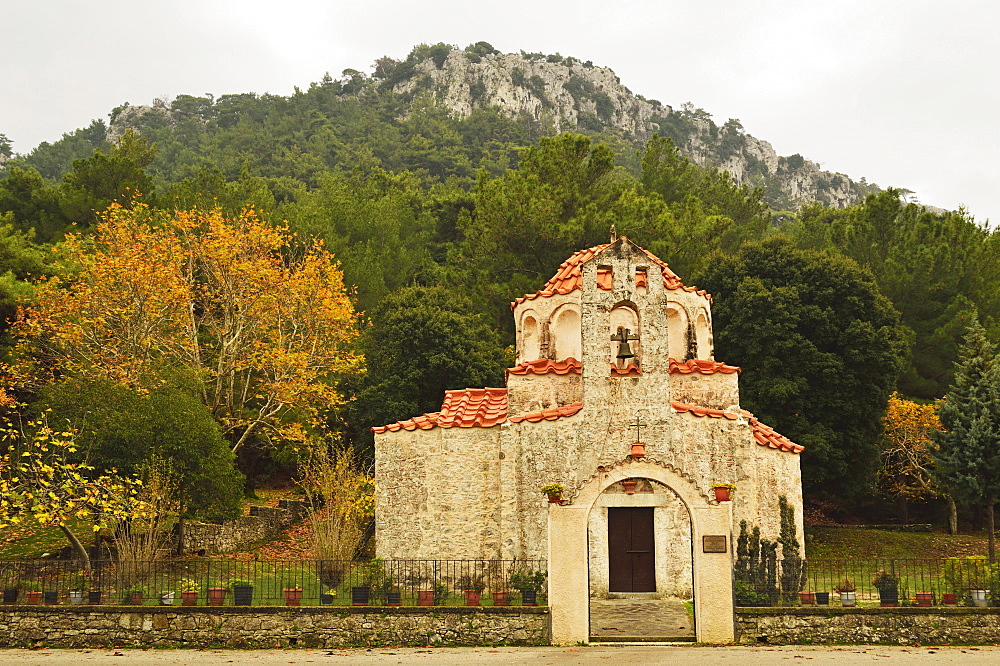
(39, 483)
(907, 462)
(262, 320)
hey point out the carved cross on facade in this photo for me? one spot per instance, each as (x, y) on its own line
(637, 425)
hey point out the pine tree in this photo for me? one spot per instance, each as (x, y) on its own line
(968, 451)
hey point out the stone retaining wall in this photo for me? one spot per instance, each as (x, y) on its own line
(262, 626)
(928, 626)
(264, 522)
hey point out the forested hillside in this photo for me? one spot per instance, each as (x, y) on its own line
(447, 184)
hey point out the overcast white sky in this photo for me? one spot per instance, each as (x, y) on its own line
(902, 92)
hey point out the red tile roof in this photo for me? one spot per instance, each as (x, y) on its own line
(475, 408)
(630, 370)
(544, 366)
(463, 408)
(569, 277)
(549, 414)
(766, 435)
(762, 434)
(702, 366)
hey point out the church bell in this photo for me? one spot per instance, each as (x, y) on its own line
(624, 350)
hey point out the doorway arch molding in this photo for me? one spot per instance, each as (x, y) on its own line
(569, 553)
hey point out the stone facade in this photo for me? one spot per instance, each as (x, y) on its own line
(152, 626)
(464, 483)
(926, 626)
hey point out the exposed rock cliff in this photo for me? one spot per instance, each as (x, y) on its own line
(572, 95)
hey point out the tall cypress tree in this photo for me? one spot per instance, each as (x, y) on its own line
(968, 451)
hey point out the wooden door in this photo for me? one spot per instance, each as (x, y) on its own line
(631, 558)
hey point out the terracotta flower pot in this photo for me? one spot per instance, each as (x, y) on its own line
(555, 499)
(425, 597)
(629, 487)
(638, 450)
(293, 596)
(216, 595)
(925, 599)
(722, 494)
(135, 599)
(501, 598)
(472, 597)
(189, 598)
(807, 598)
(33, 597)
(949, 599)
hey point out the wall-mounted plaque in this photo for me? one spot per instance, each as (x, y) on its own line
(713, 544)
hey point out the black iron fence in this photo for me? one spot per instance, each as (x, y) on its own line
(276, 582)
(970, 581)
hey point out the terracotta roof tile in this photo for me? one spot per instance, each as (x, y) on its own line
(766, 435)
(704, 367)
(704, 411)
(630, 370)
(549, 414)
(463, 408)
(544, 366)
(762, 434)
(569, 277)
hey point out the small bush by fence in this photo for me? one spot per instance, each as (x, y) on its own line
(952, 581)
(273, 582)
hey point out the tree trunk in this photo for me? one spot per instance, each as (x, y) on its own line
(903, 510)
(180, 533)
(78, 547)
(991, 527)
(952, 516)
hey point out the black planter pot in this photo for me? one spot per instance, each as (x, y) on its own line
(529, 598)
(888, 597)
(822, 598)
(242, 595)
(326, 600)
(360, 595)
(50, 598)
(10, 595)
(394, 598)
(94, 597)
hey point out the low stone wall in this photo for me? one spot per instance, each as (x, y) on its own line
(262, 626)
(927, 626)
(264, 522)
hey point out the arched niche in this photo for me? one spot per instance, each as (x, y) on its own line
(566, 333)
(677, 331)
(530, 347)
(625, 315)
(703, 335)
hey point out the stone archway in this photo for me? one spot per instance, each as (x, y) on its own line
(712, 576)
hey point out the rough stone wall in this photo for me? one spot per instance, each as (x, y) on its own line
(926, 626)
(78, 626)
(718, 391)
(534, 393)
(262, 523)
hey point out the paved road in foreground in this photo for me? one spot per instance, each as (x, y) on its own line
(597, 654)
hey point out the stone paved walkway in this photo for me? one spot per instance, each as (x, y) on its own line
(640, 618)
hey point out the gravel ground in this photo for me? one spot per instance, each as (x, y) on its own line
(596, 654)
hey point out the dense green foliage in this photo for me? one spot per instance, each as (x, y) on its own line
(440, 221)
(820, 349)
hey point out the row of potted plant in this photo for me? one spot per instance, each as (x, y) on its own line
(723, 492)
(890, 586)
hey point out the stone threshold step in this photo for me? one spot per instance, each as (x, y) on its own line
(642, 639)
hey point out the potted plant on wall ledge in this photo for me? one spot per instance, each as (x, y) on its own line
(32, 591)
(242, 591)
(188, 588)
(554, 491)
(848, 593)
(528, 583)
(723, 491)
(133, 595)
(887, 585)
(473, 587)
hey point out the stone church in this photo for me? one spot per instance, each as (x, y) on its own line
(614, 350)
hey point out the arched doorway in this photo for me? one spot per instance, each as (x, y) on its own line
(639, 539)
(569, 552)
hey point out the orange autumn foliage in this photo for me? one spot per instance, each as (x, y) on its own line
(906, 449)
(266, 324)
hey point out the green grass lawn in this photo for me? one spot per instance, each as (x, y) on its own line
(856, 543)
